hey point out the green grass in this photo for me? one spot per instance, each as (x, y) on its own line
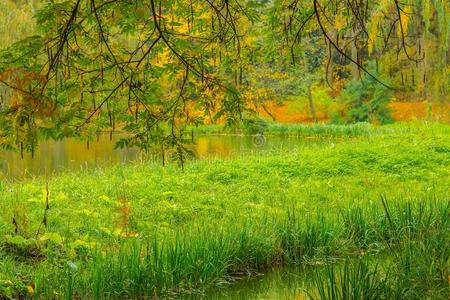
(141, 230)
(327, 130)
(416, 261)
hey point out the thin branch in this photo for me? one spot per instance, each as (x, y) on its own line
(343, 52)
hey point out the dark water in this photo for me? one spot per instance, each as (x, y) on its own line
(278, 283)
(299, 282)
(72, 154)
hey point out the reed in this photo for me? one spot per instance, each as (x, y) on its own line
(200, 257)
(416, 240)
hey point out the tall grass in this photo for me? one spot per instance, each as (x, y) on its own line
(269, 128)
(321, 130)
(416, 238)
(355, 280)
(200, 257)
(327, 130)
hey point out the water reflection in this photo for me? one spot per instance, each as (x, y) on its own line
(72, 154)
(279, 283)
(55, 156)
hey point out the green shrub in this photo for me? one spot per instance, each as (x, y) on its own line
(254, 126)
(367, 100)
(13, 288)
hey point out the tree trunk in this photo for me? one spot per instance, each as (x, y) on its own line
(422, 53)
(354, 55)
(311, 103)
(330, 63)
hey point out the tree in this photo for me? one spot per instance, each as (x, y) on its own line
(366, 100)
(143, 66)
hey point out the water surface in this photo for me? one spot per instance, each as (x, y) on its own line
(73, 154)
(281, 283)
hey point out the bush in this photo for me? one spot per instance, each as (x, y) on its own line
(367, 100)
(254, 126)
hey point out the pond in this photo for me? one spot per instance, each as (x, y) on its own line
(279, 283)
(73, 154)
(298, 282)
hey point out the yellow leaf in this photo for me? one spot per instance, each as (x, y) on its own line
(30, 290)
(404, 20)
(339, 22)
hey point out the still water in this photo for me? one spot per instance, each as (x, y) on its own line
(281, 283)
(71, 154)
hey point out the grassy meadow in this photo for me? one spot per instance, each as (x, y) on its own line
(362, 194)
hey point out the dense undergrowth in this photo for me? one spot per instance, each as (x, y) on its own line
(142, 231)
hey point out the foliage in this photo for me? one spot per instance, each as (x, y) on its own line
(255, 126)
(16, 19)
(151, 68)
(95, 66)
(367, 101)
(14, 289)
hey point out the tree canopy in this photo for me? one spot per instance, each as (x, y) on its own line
(150, 68)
